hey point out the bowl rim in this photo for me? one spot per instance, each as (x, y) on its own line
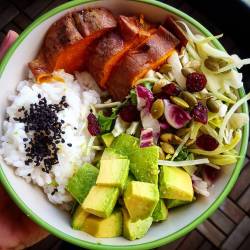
(152, 244)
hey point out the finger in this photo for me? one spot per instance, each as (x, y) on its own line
(7, 42)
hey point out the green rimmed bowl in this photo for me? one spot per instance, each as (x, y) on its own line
(31, 200)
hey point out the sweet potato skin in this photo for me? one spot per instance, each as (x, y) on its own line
(112, 47)
(89, 21)
(150, 54)
(171, 25)
(66, 43)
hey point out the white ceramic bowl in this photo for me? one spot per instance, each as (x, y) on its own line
(31, 199)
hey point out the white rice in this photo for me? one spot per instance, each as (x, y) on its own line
(12, 149)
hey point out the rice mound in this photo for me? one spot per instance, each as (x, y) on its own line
(79, 99)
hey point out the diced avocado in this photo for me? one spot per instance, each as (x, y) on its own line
(113, 173)
(135, 230)
(144, 164)
(82, 181)
(175, 183)
(125, 144)
(108, 139)
(161, 212)
(110, 154)
(78, 218)
(140, 199)
(143, 161)
(176, 203)
(104, 227)
(101, 200)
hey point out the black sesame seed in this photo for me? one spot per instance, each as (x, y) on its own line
(69, 144)
(62, 140)
(28, 174)
(25, 139)
(39, 96)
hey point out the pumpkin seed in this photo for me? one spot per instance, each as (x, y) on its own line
(182, 132)
(180, 102)
(167, 148)
(211, 64)
(186, 71)
(157, 109)
(161, 154)
(165, 68)
(194, 64)
(212, 105)
(190, 142)
(189, 98)
(158, 86)
(172, 138)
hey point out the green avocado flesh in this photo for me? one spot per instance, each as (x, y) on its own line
(135, 230)
(140, 199)
(161, 212)
(82, 181)
(143, 161)
(113, 173)
(104, 227)
(176, 184)
(107, 139)
(78, 218)
(101, 200)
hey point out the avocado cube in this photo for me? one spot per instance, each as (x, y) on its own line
(104, 227)
(135, 230)
(107, 139)
(175, 183)
(143, 161)
(144, 164)
(161, 212)
(176, 203)
(140, 199)
(82, 181)
(125, 144)
(78, 218)
(111, 154)
(101, 200)
(113, 173)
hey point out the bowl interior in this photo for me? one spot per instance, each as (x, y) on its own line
(31, 198)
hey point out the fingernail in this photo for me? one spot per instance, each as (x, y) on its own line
(7, 42)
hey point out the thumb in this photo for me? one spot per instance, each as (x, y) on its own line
(7, 42)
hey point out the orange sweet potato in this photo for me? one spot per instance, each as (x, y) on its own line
(149, 54)
(110, 48)
(66, 42)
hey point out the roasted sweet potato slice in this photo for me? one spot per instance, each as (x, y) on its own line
(112, 46)
(149, 54)
(66, 42)
(171, 25)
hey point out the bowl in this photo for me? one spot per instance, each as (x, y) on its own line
(31, 199)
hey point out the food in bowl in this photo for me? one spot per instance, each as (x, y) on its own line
(153, 138)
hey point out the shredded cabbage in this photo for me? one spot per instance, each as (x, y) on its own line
(179, 148)
(207, 129)
(107, 105)
(238, 120)
(230, 113)
(195, 127)
(223, 160)
(174, 61)
(183, 163)
(131, 130)
(120, 127)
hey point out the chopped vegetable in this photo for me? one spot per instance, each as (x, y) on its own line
(200, 186)
(183, 163)
(106, 122)
(146, 138)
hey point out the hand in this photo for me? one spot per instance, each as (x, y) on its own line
(17, 231)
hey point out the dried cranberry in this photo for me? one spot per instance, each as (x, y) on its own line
(171, 89)
(199, 113)
(196, 82)
(207, 142)
(129, 113)
(210, 174)
(93, 125)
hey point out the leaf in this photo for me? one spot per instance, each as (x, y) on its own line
(133, 97)
(183, 155)
(107, 122)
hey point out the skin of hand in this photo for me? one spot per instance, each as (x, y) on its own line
(17, 231)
